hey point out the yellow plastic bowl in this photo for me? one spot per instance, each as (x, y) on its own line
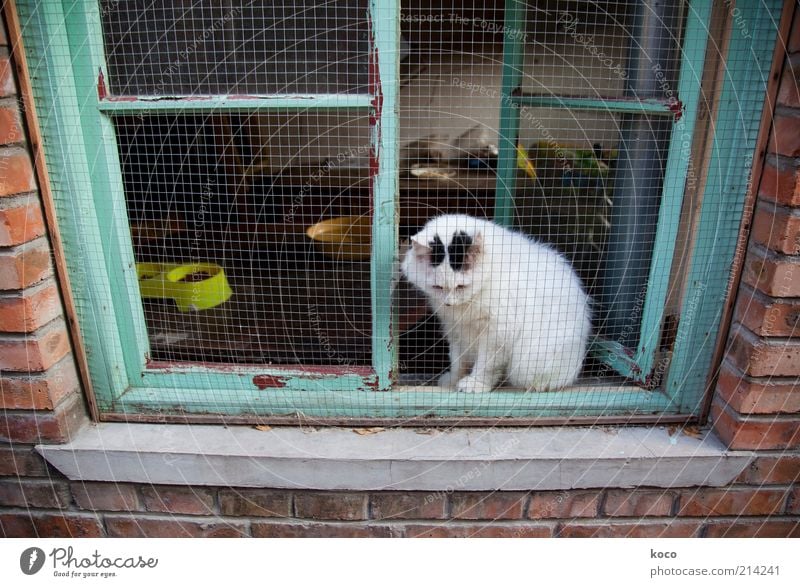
(347, 238)
(193, 286)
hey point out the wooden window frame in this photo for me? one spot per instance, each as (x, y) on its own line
(80, 145)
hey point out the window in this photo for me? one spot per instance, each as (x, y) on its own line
(197, 150)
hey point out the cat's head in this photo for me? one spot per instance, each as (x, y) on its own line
(444, 259)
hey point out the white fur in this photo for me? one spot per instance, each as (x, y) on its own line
(518, 314)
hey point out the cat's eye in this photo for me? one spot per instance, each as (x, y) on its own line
(460, 287)
(438, 288)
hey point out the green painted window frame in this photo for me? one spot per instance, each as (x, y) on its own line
(80, 147)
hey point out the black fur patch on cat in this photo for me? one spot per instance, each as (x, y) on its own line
(437, 251)
(458, 250)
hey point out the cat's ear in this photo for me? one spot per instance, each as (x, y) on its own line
(475, 251)
(419, 247)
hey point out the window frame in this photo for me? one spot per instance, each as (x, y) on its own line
(95, 231)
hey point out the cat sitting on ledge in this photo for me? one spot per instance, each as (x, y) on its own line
(513, 309)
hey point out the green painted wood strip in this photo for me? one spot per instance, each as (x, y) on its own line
(45, 33)
(735, 133)
(86, 43)
(616, 356)
(600, 401)
(178, 104)
(676, 177)
(385, 27)
(191, 380)
(648, 106)
(513, 51)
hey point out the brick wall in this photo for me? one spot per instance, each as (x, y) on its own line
(756, 406)
(40, 394)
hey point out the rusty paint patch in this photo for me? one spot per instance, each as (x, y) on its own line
(263, 382)
(101, 85)
(374, 83)
(676, 107)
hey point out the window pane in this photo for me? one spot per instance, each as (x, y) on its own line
(180, 47)
(238, 193)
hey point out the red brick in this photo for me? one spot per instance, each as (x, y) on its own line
(31, 308)
(638, 503)
(37, 351)
(744, 528)
(22, 461)
(33, 427)
(767, 316)
(777, 228)
(643, 529)
(21, 220)
(772, 470)
(563, 504)
(112, 497)
(785, 136)
(789, 92)
(39, 391)
(318, 530)
(255, 502)
(10, 123)
(746, 395)
(420, 506)
(793, 505)
(16, 172)
(7, 85)
(773, 274)
(488, 530)
(171, 527)
(67, 526)
(754, 432)
(703, 502)
(763, 357)
(25, 265)
(780, 183)
(331, 506)
(499, 505)
(19, 525)
(34, 493)
(178, 500)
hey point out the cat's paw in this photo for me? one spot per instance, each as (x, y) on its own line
(448, 380)
(470, 384)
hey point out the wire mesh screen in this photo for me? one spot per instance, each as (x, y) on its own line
(561, 111)
(188, 47)
(588, 178)
(231, 197)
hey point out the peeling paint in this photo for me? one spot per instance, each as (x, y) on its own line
(263, 382)
(101, 85)
(676, 107)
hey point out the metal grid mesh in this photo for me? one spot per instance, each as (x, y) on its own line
(188, 47)
(241, 191)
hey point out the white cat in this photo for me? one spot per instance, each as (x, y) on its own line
(513, 309)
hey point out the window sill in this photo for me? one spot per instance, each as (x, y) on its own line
(399, 459)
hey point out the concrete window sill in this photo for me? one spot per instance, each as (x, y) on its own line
(395, 459)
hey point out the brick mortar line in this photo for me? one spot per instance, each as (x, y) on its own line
(757, 294)
(750, 336)
(755, 248)
(33, 375)
(18, 200)
(772, 208)
(756, 418)
(760, 379)
(17, 294)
